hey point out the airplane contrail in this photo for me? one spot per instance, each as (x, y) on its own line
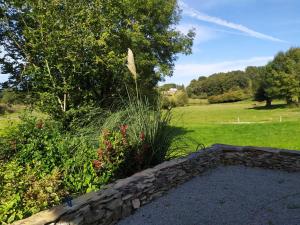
(187, 10)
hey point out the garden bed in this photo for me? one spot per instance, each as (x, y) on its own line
(121, 198)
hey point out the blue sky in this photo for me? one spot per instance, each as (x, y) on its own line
(234, 34)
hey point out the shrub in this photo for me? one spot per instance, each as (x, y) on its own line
(45, 160)
(134, 138)
(10, 97)
(201, 96)
(41, 165)
(25, 190)
(232, 96)
(167, 102)
(180, 98)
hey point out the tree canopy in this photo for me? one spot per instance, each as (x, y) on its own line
(279, 79)
(68, 54)
(218, 84)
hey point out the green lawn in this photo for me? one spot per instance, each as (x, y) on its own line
(243, 123)
(10, 119)
(218, 123)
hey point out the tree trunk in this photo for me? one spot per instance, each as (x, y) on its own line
(65, 102)
(289, 101)
(268, 102)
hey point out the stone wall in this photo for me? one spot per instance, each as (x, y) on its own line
(121, 198)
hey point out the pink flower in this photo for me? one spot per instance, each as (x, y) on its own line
(108, 145)
(97, 164)
(40, 124)
(142, 136)
(123, 129)
(100, 153)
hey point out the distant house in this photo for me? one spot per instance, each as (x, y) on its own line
(172, 91)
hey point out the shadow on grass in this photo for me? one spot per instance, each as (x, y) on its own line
(181, 143)
(178, 131)
(278, 106)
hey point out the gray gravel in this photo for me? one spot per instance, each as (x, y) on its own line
(227, 195)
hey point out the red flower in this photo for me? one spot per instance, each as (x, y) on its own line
(105, 133)
(100, 153)
(123, 129)
(108, 145)
(97, 164)
(40, 124)
(142, 136)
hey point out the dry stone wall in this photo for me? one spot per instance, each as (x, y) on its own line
(121, 198)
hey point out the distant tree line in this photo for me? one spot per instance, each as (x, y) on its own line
(279, 79)
(221, 87)
(167, 87)
(173, 99)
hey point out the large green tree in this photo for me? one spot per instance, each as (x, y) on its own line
(266, 88)
(71, 53)
(281, 78)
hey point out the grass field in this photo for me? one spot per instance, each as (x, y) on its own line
(243, 123)
(10, 119)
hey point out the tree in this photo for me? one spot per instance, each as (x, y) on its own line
(254, 73)
(219, 84)
(264, 81)
(281, 78)
(291, 78)
(69, 54)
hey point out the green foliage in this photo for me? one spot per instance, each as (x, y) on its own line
(197, 101)
(70, 54)
(231, 96)
(26, 190)
(5, 108)
(282, 79)
(167, 102)
(219, 84)
(279, 79)
(41, 165)
(10, 97)
(180, 98)
(134, 138)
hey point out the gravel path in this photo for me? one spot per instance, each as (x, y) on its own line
(225, 196)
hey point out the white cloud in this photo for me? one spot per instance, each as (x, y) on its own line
(215, 20)
(204, 33)
(184, 73)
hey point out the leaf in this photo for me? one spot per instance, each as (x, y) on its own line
(11, 218)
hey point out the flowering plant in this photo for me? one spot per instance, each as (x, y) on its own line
(120, 154)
